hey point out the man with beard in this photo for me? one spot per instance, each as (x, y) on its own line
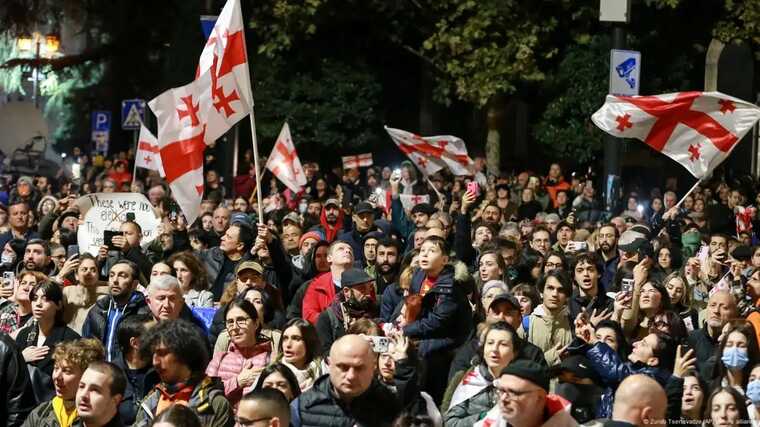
(331, 220)
(37, 257)
(364, 223)
(105, 316)
(607, 240)
(356, 300)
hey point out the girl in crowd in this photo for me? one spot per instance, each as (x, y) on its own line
(37, 340)
(192, 278)
(279, 377)
(14, 316)
(675, 284)
(247, 354)
(736, 355)
(652, 300)
(528, 297)
(726, 408)
(472, 392)
(299, 351)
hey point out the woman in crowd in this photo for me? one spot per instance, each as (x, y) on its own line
(247, 354)
(678, 291)
(37, 340)
(14, 316)
(666, 259)
(262, 301)
(192, 278)
(279, 377)
(490, 289)
(79, 297)
(529, 207)
(735, 356)
(610, 333)
(555, 260)
(653, 299)
(693, 397)
(528, 297)
(472, 392)
(490, 266)
(726, 407)
(299, 351)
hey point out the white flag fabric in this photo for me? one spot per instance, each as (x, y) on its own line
(696, 129)
(433, 153)
(357, 161)
(196, 114)
(148, 155)
(284, 162)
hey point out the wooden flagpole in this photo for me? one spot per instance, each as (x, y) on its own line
(259, 202)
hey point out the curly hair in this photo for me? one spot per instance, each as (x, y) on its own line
(79, 353)
(200, 277)
(181, 338)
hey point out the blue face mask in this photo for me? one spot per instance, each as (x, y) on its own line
(735, 357)
(753, 391)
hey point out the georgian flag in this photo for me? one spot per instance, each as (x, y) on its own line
(284, 162)
(148, 155)
(357, 161)
(433, 153)
(194, 115)
(696, 129)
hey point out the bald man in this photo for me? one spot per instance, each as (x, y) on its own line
(721, 307)
(351, 394)
(639, 401)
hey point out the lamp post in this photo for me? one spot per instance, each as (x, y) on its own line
(44, 46)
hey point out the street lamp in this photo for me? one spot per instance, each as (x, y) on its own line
(44, 46)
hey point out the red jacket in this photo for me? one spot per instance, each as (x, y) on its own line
(318, 297)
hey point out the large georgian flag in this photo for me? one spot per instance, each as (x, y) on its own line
(284, 162)
(433, 153)
(192, 116)
(696, 129)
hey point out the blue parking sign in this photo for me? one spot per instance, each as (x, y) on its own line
(101, 121)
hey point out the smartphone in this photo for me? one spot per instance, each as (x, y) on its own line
(474, 188)
(379, 344)
(580, 246)
(397, 173)
(108, 239)
(626, 285)
(72, 251)
(8, 278)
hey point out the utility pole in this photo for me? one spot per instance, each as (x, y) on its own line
(618, 13)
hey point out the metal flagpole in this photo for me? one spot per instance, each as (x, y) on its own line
(137, 147)
(259, 202)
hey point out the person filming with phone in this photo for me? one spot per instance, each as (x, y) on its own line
(124, 244)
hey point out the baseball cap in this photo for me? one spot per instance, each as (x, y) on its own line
(292, 217)
(742, 253)
(249, 265)
(505, 296)
(363, 207)
(333, 202)
(529, 371)
(239, 217)
(353, 277)
(577, 365)
(631, 241)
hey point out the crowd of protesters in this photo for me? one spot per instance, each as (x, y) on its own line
(513, 300)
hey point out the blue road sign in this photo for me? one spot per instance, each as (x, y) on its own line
(101, 121)
(132, 113)
(625, 69)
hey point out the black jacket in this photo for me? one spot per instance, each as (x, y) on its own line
(42, 376)
(95, 323)
(356, 241)
(598, 303)
(319, 407)
(138, 386)
(704, 350)
(15, 386)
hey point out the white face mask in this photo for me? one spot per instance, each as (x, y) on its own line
(7, 258)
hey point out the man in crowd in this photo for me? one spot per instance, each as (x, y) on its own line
(166, 302)
(18, 219)
(356, 300)
(608, 251)
(524, 399)
(180, 357)
(549, 322)
(351, 394)
(140, 376)
(540, 240)
(266, 405)
(639, 401)
(101, 389)
(220, 261)
(221, 221)
(322, 290)
(588, 295)
(363, 223)
(71, 360)
(37, 257)
(291, 235)
(721, 308)
(103, 319)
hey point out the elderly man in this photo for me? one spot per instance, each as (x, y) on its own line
(524, 399)
(18, 219)
(639, 401)
(351, 394)
(721, 307)
(167, 303)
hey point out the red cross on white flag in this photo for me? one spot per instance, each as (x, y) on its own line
(696, 129)
(433, 153)
(148, 155)
(284, 162)
(195, 115)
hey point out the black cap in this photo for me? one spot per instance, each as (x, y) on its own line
(363, 207)
(425, 208)
(577, 365)
(505, 297)
(564, 224)
(529, 371)
(353, 277)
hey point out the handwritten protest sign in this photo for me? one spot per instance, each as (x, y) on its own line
(106, 211)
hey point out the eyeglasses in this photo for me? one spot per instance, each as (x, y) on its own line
(552, 266)
(241, 322)
(507, 393)
(239, 422)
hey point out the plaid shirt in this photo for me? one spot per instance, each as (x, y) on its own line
(10, 320)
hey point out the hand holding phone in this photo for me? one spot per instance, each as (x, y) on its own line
(473, 188)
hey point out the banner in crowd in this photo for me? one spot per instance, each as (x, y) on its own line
(148, 154)
(383, 199)
(357, 161)
(433, 153)
(193, 116)
(696, 129)
(106, 211)
(284, 162)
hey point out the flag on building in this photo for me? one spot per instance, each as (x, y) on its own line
(357, 161)
(696, 129)
(148, 154)
(433, 153)
(194, 115)
(284, 162)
